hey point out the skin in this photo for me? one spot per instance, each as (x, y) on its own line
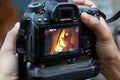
(107, 51)
(8, 57)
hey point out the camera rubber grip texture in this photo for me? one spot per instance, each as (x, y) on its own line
(80, 70)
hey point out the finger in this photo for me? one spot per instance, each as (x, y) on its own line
(85, 2)
(9, 45)
(101, 30)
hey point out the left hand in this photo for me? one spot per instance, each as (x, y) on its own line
(8, 57)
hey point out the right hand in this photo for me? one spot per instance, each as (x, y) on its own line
(107, 51)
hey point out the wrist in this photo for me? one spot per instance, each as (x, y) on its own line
(111, 69)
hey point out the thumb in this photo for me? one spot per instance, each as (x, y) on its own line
(9, 45)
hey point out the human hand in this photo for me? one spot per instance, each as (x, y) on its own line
(8, 57)
(107, 51)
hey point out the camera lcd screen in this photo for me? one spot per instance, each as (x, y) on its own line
(61, 40)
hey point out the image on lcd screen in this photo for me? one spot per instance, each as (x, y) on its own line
(61, 40)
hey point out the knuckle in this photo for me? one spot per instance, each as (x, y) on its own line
(96, 22)
(93, 21)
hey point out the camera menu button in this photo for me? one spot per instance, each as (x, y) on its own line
(45, 19)
(39, 20)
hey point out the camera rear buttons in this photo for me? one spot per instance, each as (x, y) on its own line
(87, 43)
(39, 20)
(71, 61)
(45, 19)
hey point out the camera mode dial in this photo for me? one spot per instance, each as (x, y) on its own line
(36, 7)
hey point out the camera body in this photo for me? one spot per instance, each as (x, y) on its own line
(53, 43)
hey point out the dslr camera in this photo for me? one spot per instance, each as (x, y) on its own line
(54, 44)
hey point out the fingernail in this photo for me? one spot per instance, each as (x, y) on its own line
(17, 25)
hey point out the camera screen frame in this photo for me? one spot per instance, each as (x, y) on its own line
(66, 54)
(61, 40)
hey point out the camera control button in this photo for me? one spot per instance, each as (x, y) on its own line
(71, 61)
(39, 20)
(45, 19)
(87, 43)
(42, 12)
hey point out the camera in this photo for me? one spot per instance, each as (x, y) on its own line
(54, 44)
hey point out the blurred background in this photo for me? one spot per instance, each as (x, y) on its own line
(10, 13)
(12, 10)
(110, 8)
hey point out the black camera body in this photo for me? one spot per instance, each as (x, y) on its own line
(53, 43)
